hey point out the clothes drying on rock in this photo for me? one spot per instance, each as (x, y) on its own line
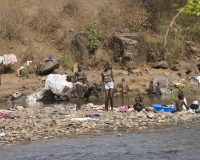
(9, 59)
(56, 83)
(1, 59)
(197, 78)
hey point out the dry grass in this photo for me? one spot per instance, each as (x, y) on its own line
(34, 29)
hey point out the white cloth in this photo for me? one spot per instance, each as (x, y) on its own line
(183, 106)
(9, 59)
(56, 83)
(197, 78)
(1, 59)
(83, 119)
(28, 63)
(37, 95)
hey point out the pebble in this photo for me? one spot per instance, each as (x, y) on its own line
(36, 124)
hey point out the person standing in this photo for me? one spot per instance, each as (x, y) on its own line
(108, 82)
(151, 88)
(124, 87)
(79, 79)
(158, 91)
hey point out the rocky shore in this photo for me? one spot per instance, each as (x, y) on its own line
(31, 124)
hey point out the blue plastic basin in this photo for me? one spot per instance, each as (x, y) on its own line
(160, 107)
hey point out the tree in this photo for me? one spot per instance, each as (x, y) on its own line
(192, 8)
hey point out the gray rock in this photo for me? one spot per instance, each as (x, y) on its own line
(161, 64)
(129, 49)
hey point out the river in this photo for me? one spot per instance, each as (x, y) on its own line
(164, 143)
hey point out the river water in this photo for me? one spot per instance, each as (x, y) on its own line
(130, 99)
(164, 143)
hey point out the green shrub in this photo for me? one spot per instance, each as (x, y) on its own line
(93, 35)
(24, 72)
(68, 61)
(143, 85)
(136, 90)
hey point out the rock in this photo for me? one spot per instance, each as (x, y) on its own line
(161, 64)
(176, 67)
(130, 110)
(119, 134)
(136, 72)
(150, 115)
(161, 121)
(162, 116)
(20, 108)
(186, 127)
(129, 49)
(192, 70)
(79, 45)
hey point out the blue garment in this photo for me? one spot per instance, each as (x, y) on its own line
(50, 58)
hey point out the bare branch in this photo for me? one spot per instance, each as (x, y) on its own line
(170, 26)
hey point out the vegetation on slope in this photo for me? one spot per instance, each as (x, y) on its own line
(34, 29)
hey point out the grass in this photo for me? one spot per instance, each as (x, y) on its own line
(132, 80)
(45, 25)
(24, 72)
(68, 61)
(143, 85)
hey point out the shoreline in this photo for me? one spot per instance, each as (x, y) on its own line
(32, 124)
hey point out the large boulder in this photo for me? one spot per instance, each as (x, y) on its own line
(47, 65)
(160, 64)
(129, 49)
(191, 49)
(192, 70)
(79, 47)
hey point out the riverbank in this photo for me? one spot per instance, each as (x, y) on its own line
(32, 124)
(138, 81)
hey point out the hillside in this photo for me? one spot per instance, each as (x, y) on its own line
(35, 29)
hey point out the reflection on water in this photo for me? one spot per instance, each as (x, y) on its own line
(119, 101)
(166, 143)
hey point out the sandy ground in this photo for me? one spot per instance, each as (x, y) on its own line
(11, 83)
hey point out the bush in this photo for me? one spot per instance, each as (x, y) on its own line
(93, 35)
(68, 61)
(24, 72)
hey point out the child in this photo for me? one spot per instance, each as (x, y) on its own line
(181, 92)
(138, 106)
(124, 87)
(158, 91)
(151, 88)
(108, 83)
(80, 78)
(141, 101)
(179, 103)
